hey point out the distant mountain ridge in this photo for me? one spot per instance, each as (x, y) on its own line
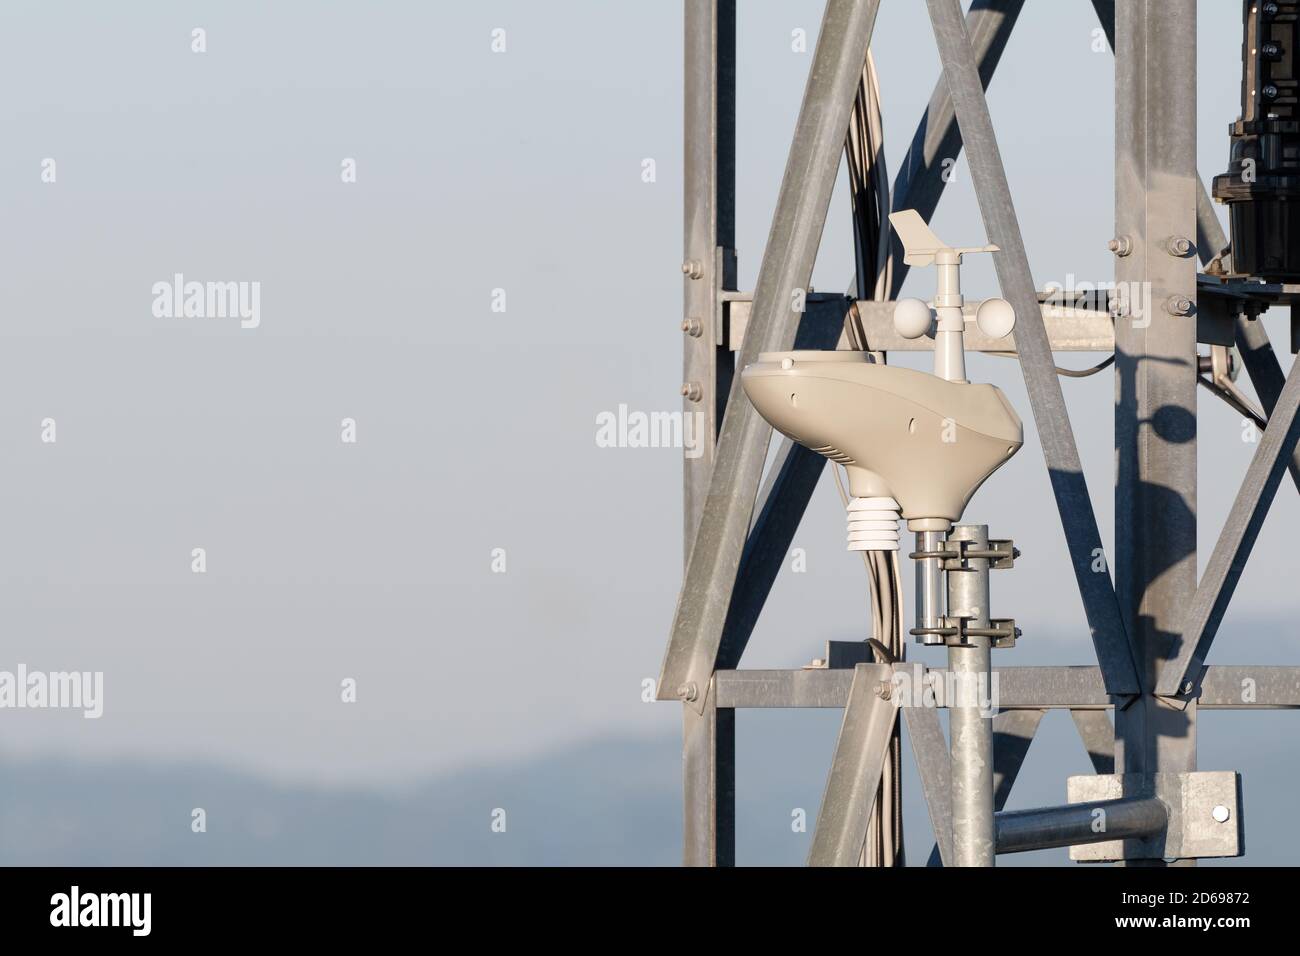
(607, 802)
(624, 810)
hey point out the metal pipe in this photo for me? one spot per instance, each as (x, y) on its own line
(970, 717)
(1098, 821)
(929, 581)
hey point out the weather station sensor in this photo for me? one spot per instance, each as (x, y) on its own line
(915, 445)
(918, 446)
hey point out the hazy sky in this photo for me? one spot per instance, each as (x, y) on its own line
(475, 171)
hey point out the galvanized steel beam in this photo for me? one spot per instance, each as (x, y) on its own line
(1236, 540)
(1156, 185)
(785, 271)
(709, 193)
(1050, 414)
(856, 766)
(709, 779)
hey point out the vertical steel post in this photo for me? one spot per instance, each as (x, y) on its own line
(709, 768)
(970, 723)
(709, 218)
(1156, 186)
(708, 267)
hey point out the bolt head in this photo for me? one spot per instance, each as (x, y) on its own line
(1221, 814)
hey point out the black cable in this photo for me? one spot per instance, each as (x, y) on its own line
(1068, 372)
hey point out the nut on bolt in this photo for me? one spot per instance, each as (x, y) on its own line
(884, 690)
(1120, 245)
(1179, 305)
(693, 327)
(693, 268)
(688, 692)
(1179, 246)
(692, 391)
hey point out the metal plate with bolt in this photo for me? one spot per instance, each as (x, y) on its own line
(1203, 811)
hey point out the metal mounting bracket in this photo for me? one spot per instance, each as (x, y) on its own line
(1205, 815)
